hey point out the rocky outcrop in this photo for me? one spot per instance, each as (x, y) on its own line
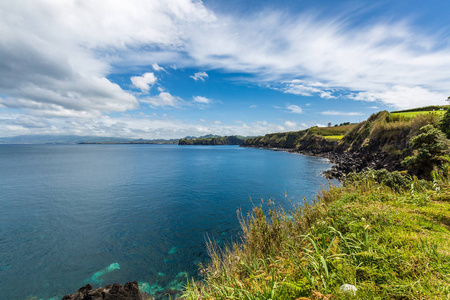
(110, 292)
(380, 142)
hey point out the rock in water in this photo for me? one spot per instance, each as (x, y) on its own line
(110, 292)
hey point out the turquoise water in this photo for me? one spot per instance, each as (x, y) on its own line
(73, 214)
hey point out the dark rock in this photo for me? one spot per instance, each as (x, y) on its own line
(110, 292)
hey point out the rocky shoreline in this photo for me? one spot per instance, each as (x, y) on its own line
(130, 291)
(348, 162)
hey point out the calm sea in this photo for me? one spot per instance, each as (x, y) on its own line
(73, 214)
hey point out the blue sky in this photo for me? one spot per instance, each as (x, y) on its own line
(168, 69)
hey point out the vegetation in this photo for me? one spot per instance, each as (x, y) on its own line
(412, 114)
(225, 140)
(386, 234)
(425, 108)
(444, 123)
(431, 149)
(314, 138)
(334, 137)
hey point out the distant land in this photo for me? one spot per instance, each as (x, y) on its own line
(208, 139)
(214, 140)
(76, 139)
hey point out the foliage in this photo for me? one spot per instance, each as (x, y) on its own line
(394, 180)
(310, 138)
(225, 140)
(430, 149)
(391, 243)
(444, 123)
(425, 108)
(412, 114)
(334, 137)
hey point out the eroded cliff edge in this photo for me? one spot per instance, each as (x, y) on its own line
(380, 142)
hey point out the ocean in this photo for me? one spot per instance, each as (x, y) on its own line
(77, 214)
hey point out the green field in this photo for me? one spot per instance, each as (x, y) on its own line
(413, 114)
(333, 137)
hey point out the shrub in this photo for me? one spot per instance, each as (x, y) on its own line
(444, 123)
(430, 149)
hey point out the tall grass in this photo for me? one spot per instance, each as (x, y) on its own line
(386, 234)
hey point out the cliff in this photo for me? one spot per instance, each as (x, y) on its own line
(380, 142)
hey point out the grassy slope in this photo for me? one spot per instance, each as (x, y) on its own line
(313, 137)
(389, 244)
(412, 114)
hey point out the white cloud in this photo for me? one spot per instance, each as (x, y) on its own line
(130, 126)
(295, 109)
(164, 99)
(290, 124)
(338, 54)
(144, 82)
(253, 106)
(199, 76)
(403, 97)
(157, 68)
(57, 55)
(202, 100)
(340, 113)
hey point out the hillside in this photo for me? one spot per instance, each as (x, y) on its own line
(380, 235)
(321, 138)
(225, 140)
(382, 141)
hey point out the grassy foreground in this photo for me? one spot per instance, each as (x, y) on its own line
(381, 232)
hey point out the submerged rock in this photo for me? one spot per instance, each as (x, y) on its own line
(110, 292)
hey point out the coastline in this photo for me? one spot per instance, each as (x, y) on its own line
(345, 162)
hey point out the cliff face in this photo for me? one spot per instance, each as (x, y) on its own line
(315, 139)
(382, 141)
(226, 140)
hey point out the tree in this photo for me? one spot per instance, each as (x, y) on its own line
(430, 148)
(444, 123)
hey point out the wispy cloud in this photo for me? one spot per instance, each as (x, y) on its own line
(305, 88)
(157, 68)
(341, 113)
(295, 109)
(202, 100)
(199, 76)
(164, 99)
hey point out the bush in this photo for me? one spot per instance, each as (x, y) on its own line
(430, 149)
(444, 123)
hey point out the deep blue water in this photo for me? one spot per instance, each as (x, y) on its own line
(72, 214)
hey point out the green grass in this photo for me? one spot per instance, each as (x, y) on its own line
(333, 137)
(331, 131)
(413, 114)
(386, 234)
